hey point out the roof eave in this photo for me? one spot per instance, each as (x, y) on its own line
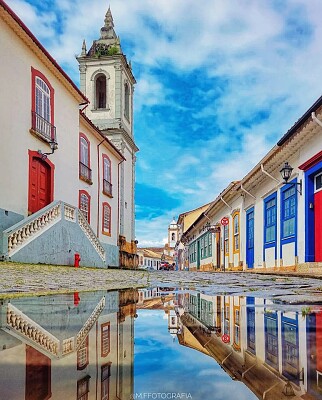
(12, 17)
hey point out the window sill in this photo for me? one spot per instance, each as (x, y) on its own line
(108, 194)
(270, 244)
(94, 110)
(106, 234)
(42, 137)
(89, 181)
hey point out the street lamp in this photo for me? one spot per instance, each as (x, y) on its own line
(286, 173)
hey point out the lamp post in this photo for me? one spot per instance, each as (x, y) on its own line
(286, 172)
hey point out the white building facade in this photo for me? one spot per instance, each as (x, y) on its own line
(62, 185)
(265, 221)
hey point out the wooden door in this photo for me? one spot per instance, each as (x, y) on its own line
(218, 251)
(39, 184)
(38, 375)
(250, 238)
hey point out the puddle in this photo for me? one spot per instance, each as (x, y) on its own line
(158, 343)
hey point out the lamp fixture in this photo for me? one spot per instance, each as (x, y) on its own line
(213, 228)
(286, 173)
(53, 147)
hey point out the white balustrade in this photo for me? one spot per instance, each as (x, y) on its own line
(35, 334)
(70, 213)
(89, 323)
(68, 346)
(26, 327)
(86, 228)
(25, 231)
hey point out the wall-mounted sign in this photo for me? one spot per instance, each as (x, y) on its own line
(225, 338)
(224, 221)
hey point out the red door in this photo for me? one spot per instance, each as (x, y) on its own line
(39, 184)
(38, 375)
(318, 338)
(318, 220)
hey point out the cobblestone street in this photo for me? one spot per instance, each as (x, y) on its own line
(17, 279)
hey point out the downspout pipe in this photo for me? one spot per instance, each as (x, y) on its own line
(314, 117)
(269, 175)
(118, 200)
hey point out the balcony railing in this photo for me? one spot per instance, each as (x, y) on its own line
(107, 187)
(85, 173)
(43, 128)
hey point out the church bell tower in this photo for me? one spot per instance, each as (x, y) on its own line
(106, 79)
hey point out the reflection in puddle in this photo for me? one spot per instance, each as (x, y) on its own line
(187, 345)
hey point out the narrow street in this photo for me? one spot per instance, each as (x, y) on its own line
(19, 279)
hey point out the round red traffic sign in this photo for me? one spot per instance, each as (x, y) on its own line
(224, 221)
(225, 338)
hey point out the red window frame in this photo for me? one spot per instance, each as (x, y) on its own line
(34, 74)
(83, 136)
(106, 157)
(106, 230)
(85, 172)
(83, 354)
(105, 339)
(108, 179)
(105, 381)
(84, 192)
(83, 388)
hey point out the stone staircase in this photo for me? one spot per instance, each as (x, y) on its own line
(52, 236)
(28, 331)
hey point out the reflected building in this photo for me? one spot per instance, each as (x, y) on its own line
(68, 346)
(276, 352)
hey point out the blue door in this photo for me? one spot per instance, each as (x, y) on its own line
(250, 312)
(250, 238)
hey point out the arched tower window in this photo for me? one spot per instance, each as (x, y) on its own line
(173, 236)
(127, 100)
(100, 91)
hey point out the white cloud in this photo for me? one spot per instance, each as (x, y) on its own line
(255, 59)
(41, 24)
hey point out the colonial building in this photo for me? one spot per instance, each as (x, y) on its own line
(148, 258)
(185, 220)
(66, 185)
(276, 353)
(89, 343)
(271, 218)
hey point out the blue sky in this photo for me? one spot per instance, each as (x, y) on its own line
(162, 365)
(217, 85)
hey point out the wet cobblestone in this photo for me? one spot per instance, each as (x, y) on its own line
(16, 279)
